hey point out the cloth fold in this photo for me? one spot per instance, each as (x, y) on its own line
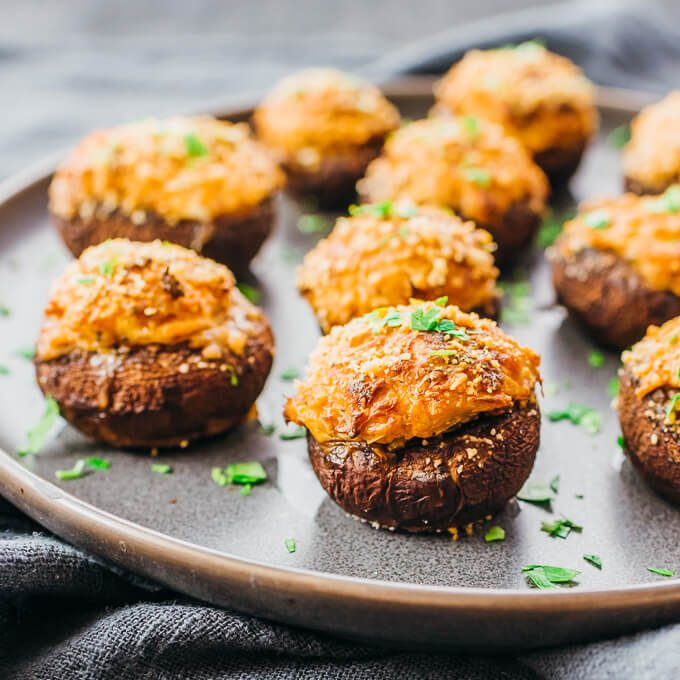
(66, 614)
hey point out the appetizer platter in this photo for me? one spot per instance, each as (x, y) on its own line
(384, 413)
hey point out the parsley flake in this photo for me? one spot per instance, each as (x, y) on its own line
(98, 463)
(4, 311)
(290, 373)
(239, 473)
(560, 528)
(423, 319)
(291, 545)
(27, 353)
(161, 468)
(195, 148)
(596, 359)
(613, 387)
(4, 370)
(536, 492)
(661, 571)
(517, 302)
(494, 534)
(595, 560)
(619, 136)
(382, 210)
(312, 224)
(620, 441)
(76, 472)
(297, 432)
(37, 435)
(85, 280)
(478, 176)
(251, 293)
(672, 406)
(597, 219)
(579, 414)
(669, 201)
(267, 430)
(551, 227)
(470, 125)
(442, 352)
(546, 576)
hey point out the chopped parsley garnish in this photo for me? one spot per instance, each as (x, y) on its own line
(442, 352)
(597, 219)
(441, 301)
(4, 370)
(85, 280)
(596, 359)
(669, 201)
(194, 146)
(560, 528)
(619, 136)
(478, 176)
(291, 373)
(537, 492)
(161, 468)
(546, 576)
(555, 484)
(77, 471)
(382, 210)
(267, 430)
(595, 560)
(517, 302)
(494, 534)
(613, 387)
(98, 463)
(430, 320)
(470, 125)
(579, 414)
(239, 473)
(37, 435)
(4, 311)
(620, 441)
(661, 571)
(551, 227)
(291, 545)
(297, 432)
(27, 353)
(250, 292)
(672, 406)
(312, 224)
(107, 267)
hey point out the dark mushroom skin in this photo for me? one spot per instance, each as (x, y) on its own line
(332, 186)
(559, 163)
(651, 444)
(608, 297)
(156, 396)
(232, 239)
(432, 485)
(640, 188)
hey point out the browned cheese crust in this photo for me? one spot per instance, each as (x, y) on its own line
(325, 127)
(649, 405)
(468, 165)
(541, 98)
(433, 485)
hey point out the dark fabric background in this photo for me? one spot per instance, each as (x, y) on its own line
(68, 66)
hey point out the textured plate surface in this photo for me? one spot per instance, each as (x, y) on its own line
(346, 577)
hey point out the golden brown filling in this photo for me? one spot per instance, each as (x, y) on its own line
(410, 371)
(388, 253)
(539, 97)
(655, 360)
(317, 112)
(653, 154)
(178, 168)
(123, 293)
(464, 163)
(643, 230)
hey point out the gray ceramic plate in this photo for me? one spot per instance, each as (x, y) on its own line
(345, 577)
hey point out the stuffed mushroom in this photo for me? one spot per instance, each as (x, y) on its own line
(541, 98)
(198, 182)
(649, 408)
(384, 254)
(468, 165)
(420, 417)
(651, 159)
(325, 127)
(616, 266)
(148, 345)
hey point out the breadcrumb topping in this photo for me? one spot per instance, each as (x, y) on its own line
(389, 253)
(122, 294)
(643, 230)
(655, 360)
(539, 97)
(466, 164)
(317, 111)
(178, 168)
(652, 156)
(378, 379)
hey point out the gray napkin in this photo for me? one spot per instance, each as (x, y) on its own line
(66, 614)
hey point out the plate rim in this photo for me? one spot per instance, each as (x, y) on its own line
(83, 524)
